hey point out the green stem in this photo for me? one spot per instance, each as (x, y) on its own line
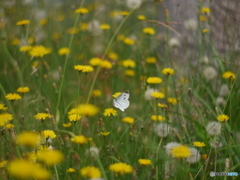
(55, 169)
(159, 144)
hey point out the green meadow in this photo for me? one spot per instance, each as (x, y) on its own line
(105, 90)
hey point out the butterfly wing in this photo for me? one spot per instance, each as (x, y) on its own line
(122, 101)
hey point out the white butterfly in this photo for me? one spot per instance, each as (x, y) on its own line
(122, 102)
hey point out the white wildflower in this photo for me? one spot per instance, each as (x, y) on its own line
(214, 128)
(195, 156)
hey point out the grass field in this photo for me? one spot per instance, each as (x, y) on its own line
(62, 66)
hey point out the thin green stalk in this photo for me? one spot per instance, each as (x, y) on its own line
(106, 50)
(55, 169)
(159, 144)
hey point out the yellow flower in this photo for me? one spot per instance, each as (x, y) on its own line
(110, 112)
(5, 118)
(162, 105)
(71, 170)
(205, 30)
(24, 169)
(64, 51)
(157, 118)
(222, 117)
(121, 168)
(83, 68)
(25, 48)
(2, 107)
(128, 120)
(79, 139)
(198, 144)
(42, 116)
(84, 110)
(96, 93)
(124, 13)
(83, 26)
(204, 156)
(15, 41)
(149, 30)
(106, 64)
(72, 30)
(168, 71)
(145, 162)
(13, 96)
(23, 89)
(172, 101)
(43, 22)
(49, 134)
(82, 10)
(95, 61)
(28, 138)
(141, 17)
(158, 95)
(23, 22)
(67, 125)
(2, 164)
(229, 75)
(39, 51)
(180, 151)
(129, 72)
(206, 10)
(151, 60)
(50, 157)
(104, 133)
(121, 37)
(74, 117)
(203, 18)
(128, 41)
(154, 80)
(115, 13)
(113, 56)
(9, 126)
(105, 26)
(90, 172)
(128, 63)
(116, 94)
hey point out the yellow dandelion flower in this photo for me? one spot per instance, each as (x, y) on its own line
(157, 95)
(203, 18)
(23, 89)
(25, 48)
(43, 21)
(74, 117)
(124, 13)
(42, 116)
(115, 13)
(229, 75)
(90, 172)
(79, 139)
(205, 10)
(96, 93)
(154, 80)
(83, 26)
(110, 112)
(145, 162)
(129, 41)
(168, 71)
(112, 56)
(121, 168)
(28, 138)
(121, 37)
(204, 156)
(5, 118)
(128, 120)
(83, 68)
(3, 163)
(149, 30)
(82, 10)
(71, 170)
(39, 51)
(151, 60)
(157, 118)
(105, 26)
(129, 72)
(2, 107)
(128, 63)
(95, 61)
(15, 41)
(9, 126)
(50, 157)
(73, 30)
(106, 64)
(172, 101)
(162, 105)
(199, 144)
(205, 30)
(13, 96)
(67, 124)
(222, 117)
(116, 94)
(141, 17)
(64, 51)
(104, 133)
(30, 40)
(84, 110)
(23, 22)
(180, 151)
(49, 134)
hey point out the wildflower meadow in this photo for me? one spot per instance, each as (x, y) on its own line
(112, 90)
